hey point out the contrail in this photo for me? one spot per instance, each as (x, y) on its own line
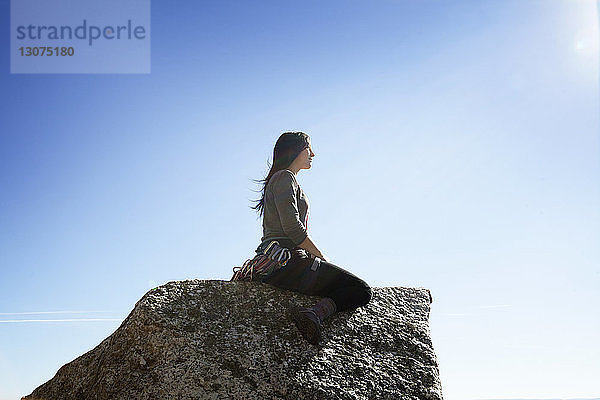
(490, 307)
(498, 306)
(59, 320)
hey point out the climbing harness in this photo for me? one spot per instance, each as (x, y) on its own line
(263, 264)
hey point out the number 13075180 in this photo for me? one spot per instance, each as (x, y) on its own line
(46, 51)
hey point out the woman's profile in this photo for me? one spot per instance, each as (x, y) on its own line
(287, 257)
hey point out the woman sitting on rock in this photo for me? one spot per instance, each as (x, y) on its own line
(287, 257)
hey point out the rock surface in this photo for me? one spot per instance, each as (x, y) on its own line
(208, 339)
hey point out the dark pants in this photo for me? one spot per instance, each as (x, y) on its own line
(301, 274)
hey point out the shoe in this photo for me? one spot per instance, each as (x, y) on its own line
(308, 323)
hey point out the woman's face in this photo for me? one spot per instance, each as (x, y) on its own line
(304, 159)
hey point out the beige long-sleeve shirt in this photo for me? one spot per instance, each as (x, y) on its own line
(285, 208)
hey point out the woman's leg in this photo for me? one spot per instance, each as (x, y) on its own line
(346, 289)
(302, 274)
(340, 289)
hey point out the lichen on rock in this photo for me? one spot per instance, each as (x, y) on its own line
(211, 339)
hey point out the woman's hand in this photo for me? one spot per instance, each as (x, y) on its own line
(310, 246)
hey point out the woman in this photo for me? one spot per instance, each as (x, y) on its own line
(287, 256)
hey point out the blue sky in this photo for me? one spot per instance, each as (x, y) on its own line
(457, 148)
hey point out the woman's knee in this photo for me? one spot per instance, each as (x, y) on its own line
(362, 292)
(366, 295)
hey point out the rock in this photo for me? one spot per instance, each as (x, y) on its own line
(209, 339)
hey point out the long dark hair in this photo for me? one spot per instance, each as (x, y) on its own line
(287, 148)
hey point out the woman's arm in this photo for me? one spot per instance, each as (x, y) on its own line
(284, 188)
(311, 247)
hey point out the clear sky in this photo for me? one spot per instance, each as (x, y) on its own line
(457, 148)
